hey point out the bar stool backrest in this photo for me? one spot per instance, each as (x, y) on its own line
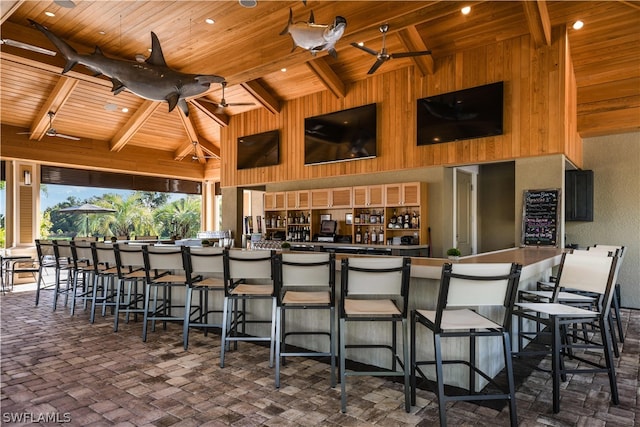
(303, 269)
(46, 252)
(206, 262)
(241, 264)
(82, 253)
(471, 285)
(163, 257)
(62, 251)
(375, 276)
(587, 273)
(103, 255)
(128, 258)
(618, 251)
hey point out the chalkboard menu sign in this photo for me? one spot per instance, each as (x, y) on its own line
(540, 217)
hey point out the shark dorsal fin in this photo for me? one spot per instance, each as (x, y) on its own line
(172, 99)
(156, 58)
(312, 20)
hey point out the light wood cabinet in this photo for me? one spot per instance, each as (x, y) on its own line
(370, 196)
(323, 198)
(297, 199)
(404, 194)
(274, 201)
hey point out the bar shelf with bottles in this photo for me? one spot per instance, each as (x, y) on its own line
(299, 226)
(403, 222)
(275, 223)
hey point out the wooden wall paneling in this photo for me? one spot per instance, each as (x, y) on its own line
(536, 113)
(26, 213)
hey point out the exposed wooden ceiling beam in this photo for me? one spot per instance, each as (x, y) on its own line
(262, 95)
(56, 99)
(538, 21)
(188, 147)
(210, 111)
(411, 40)
(328, 77)
(146, 109)
(9, 9)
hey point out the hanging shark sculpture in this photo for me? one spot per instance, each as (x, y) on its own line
(315, 37)
(151, 79)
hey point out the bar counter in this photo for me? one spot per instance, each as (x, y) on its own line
(538, 264)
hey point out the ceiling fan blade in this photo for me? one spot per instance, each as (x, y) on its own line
(238, 104)
(408, 54)
(27, 46)
(61, 135)
(366, 49)
(375, 66)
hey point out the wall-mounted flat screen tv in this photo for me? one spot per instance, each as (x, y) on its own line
(469, 113)
(341, 136)
(262, 149)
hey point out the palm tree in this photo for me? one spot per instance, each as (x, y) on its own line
(131, 216)
(181, 217)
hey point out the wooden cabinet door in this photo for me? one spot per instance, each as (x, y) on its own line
(368, 196)
(291, 199)
(411, 194)
(274, 201)
(393, 194)
(303, 199)
(341, 197)
(320, 198)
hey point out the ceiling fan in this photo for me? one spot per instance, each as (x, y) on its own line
(198, 152)
(223, 102)
(383, 56)
(51, 131)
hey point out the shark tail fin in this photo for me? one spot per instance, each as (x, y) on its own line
(286, 28)
(333, 53)
(312, 19)
(69, 53)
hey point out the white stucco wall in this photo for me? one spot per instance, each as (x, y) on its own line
(615, 161)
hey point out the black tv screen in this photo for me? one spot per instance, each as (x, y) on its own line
(341, 136)
(469, 113)
(262, 149)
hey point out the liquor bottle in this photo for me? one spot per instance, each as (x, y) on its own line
(358, 235)
(414, 220)
(307, 234)
(407, 220)
(366, 237)
(374, 237)
(279, 222)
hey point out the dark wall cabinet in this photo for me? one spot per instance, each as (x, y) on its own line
(579, 195)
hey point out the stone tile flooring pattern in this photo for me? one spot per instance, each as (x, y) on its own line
(55, 365)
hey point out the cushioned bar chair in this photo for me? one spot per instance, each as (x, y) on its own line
(595, 275)
(374, 290)
(620, 252)
(46, 261)
(248, 277)
(164, 271)
(204, 268)
(467, 291)
(131, 282)
(82, 259)
(105, 273)
(305, 282)
(64, 271)
(545, 292)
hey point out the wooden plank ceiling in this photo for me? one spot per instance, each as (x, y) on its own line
(245, 47)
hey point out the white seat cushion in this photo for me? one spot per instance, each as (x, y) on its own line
(557, 309)
(462, 319)
(370, 307)
(298, 297)
(245, 289)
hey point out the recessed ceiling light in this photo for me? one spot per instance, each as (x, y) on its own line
(465, 10)
(102, 33)
(209, 21)
(578, 24)
(50, 14)
(125, 110)
(284, 70)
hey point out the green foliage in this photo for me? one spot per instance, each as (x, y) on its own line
(453, 252)
(141, 213)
